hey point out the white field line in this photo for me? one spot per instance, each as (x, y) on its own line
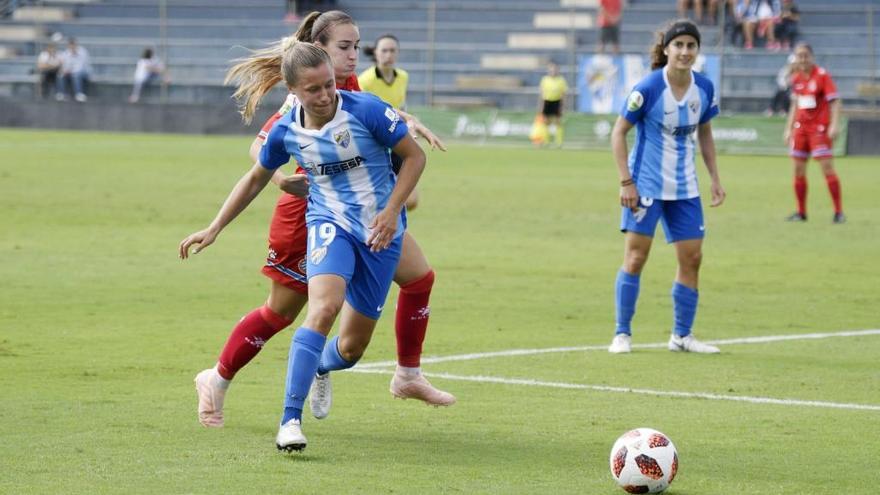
(641, 391)
(604, 347)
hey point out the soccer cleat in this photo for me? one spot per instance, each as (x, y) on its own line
(418, 387)
(211, 397)
(839, 218)
(689, 343)
(622, 343)
(290, 437)
(321, 396)
(796, 217)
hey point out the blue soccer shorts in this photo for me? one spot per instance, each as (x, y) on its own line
(367, 275)
(682, 218)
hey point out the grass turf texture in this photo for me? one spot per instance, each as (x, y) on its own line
(103, 329)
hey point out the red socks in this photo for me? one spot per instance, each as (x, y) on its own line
(834, 189)
(411, 320)
(248, 338)
(800, 192)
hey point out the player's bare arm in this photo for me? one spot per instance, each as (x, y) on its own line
(629, 195)
(247, 188)
(384, 225)
(417, 127)
(707, 149)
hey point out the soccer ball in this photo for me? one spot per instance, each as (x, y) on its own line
(643, 461)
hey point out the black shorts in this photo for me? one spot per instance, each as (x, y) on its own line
(610, 34)
(552, 108)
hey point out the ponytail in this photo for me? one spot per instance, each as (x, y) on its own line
(370, 51)
(257, 74)
(304, 33)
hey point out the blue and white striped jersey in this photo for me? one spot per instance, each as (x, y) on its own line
(348, 160)
(662, 160)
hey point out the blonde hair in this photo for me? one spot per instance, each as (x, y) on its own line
(257, 74)
(302, 56)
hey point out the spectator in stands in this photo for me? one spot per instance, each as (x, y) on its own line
(782, 99)
(75, 68)
(610, 12)
(760, 17)
(734, 20)
(787, 30)
(48, 66)
(149, 68)
(553, 89)
(698, 5)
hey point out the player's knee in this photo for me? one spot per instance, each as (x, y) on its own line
(352, 352)
(322, 314)
(420, 284)
(692, 260)
(634, 261)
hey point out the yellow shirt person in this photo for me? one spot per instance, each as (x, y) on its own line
(553, 89)
(393, 93)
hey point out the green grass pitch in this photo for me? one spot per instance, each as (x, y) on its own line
(102, 329)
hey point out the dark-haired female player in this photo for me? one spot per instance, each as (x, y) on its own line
(659, 180)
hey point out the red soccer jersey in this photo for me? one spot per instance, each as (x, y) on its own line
(609, 15)
(811, 94)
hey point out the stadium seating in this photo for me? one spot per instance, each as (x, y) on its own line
(469, 44)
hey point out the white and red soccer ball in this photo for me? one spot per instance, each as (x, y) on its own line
(643, 461)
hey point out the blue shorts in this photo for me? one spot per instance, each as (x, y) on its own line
(368, 276)
(682, 218)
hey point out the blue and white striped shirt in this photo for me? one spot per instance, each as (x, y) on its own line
(662, 160)
(347, 160)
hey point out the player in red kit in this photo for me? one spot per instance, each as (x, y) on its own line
(813, 124)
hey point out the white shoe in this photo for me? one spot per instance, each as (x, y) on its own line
(80, 97)
(689, 343)
(622, 343)
(416, 386)
(290, 436)
(211, 396)
(321, 396)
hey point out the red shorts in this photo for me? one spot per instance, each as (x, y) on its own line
(815, 143)
(286, 262)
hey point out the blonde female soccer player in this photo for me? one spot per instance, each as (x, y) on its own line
(355, 218)
(337, 34)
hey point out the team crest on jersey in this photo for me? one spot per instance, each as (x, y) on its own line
(693, 105)
(635, 101)
(317, 255)
(302, 265)
(342, 138)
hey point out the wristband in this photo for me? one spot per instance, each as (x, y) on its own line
(627, 182)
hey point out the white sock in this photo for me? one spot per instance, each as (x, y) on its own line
(409, 372)
(220, 381)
